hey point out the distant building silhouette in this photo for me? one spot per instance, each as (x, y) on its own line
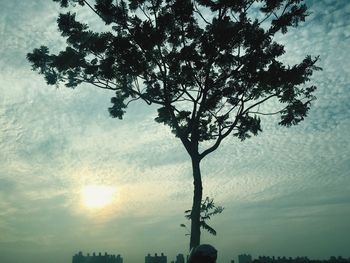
(244, 258)
(264, 259)
(80, 258)
(156, 258)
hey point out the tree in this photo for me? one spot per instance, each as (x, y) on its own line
(207, 64)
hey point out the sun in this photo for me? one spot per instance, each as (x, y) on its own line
(98, 196)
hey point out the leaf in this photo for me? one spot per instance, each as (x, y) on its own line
(208, 228)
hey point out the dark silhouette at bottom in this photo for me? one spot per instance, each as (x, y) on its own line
(203, 254)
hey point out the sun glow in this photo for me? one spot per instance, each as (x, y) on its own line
(98, 196)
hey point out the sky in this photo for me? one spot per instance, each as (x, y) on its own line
(285, 192)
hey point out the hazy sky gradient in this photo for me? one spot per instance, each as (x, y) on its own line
(285, 192)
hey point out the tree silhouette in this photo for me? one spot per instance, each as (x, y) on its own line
(207, 64)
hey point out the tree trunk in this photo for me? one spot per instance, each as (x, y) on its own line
(196, 206)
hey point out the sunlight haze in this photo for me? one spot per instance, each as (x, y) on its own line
(98, 196)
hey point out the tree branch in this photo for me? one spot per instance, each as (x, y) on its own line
(200, 14)
(223, 135)
(93, 9)
(259, 102)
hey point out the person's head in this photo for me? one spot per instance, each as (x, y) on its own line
(203, 254)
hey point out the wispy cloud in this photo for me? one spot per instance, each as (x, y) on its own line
(55, 141)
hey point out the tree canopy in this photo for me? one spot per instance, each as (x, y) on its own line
(207, 64)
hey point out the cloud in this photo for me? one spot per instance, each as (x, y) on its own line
(55, 141)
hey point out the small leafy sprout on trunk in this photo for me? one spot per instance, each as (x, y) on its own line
(208, 209)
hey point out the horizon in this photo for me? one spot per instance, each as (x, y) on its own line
(235, 257)
(74, 179)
